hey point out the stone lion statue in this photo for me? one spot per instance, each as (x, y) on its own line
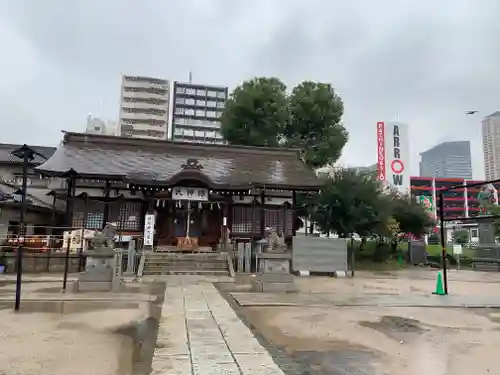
(276, 243)
(104, 238)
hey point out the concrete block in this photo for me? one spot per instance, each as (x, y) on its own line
(340, 274)
(304, 273)
(93, 286)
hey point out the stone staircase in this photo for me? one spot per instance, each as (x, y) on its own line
(168, 263)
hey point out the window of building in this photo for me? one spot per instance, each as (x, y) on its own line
(180, 100)
(201, 103)
(211, 114)
(220, 104)
(189, 112)
(190, 91)
(179, 111)
(221, 94)
(180, 90)
(474, 233)
(190, 101)
(211, 103)
(200, 113)
(212, 94)
(201, 92)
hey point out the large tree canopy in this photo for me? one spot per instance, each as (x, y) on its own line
(349, 203)
(315, 123)
(256, 113)
(260, 113)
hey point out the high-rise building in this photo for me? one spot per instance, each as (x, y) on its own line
(195, 112)
(144, 107)
(491, 145)
(447, 160)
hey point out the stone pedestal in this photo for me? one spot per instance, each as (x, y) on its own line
(274, 274)
(99, 274)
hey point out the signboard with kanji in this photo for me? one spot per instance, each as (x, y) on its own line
(190, 194)
(149, 229)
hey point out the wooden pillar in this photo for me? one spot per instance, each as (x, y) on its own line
(107, 192)
(262, 214)
(229, 212)
(294, 213)
(70, 194)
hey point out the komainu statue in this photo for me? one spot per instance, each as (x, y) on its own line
(104, 239)
(276, 243)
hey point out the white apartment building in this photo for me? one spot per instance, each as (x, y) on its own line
(96, 125)
(144, 107)
(491, 145)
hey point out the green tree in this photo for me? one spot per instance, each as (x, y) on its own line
(315, 123)
(349, 203)
(256, 112)
(411, 216)
(260, 113)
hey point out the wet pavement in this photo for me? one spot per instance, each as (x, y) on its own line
(200, 334)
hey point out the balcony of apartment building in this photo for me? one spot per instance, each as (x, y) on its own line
(134, 81)
(192, 135)
(196, 123)
(158, 115)
(143, 132)
(219, 94)
(144, 92)
(191, 102)
(197, 113)
(146, 103)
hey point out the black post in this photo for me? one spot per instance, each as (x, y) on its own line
(69, 211)
(26, 154)
(22, 234)
(443, 243)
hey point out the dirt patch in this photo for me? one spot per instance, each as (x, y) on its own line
(101, 338)
(389, 341)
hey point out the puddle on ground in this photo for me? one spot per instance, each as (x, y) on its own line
(68, 307)
(396, 327)
(338, 362)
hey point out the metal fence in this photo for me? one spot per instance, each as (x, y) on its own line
(53, 262)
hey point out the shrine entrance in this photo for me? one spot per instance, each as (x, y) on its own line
(188, 221)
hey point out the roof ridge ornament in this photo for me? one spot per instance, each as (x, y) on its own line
(192, 165)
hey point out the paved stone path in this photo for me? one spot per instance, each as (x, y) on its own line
(200, 334)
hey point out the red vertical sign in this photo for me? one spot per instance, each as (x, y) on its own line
(381, 151)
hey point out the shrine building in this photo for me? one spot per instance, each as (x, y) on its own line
(177, 196)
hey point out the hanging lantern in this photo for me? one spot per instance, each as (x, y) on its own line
(157, 203)
(200, 205)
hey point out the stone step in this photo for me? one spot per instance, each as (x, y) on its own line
(184, 261)
(187, 256)
(187, 266)
(182, 272)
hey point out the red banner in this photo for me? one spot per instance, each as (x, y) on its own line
(381, 151)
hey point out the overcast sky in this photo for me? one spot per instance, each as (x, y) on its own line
(432, 60)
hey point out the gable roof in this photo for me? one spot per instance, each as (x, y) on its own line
(164, 162)
(7, 158)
